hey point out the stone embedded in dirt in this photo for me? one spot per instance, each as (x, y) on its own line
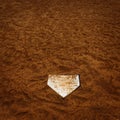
(63, 84)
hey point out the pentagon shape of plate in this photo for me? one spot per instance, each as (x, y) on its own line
(63, 84)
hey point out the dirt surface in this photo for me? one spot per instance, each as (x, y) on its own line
(41, 37)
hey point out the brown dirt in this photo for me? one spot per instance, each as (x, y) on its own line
(41, 37)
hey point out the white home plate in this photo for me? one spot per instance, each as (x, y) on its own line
(63, 84)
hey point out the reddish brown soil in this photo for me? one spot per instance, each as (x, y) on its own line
(41, 37)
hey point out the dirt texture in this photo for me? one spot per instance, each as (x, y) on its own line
(42, 37)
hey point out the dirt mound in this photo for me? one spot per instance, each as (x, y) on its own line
(41, 37)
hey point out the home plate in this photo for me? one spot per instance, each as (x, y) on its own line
(63, 84)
